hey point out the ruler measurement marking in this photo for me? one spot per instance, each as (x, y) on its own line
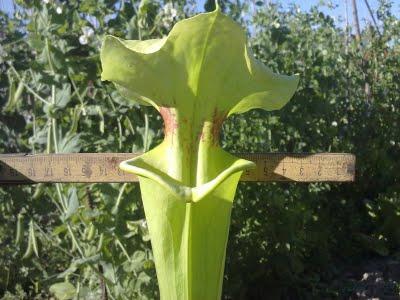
(103, 167)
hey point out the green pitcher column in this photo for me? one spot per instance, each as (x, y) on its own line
(198, 75)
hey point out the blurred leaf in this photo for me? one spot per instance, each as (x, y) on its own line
(63, 290)
(62, 96)
(73, 203)
(71, 143)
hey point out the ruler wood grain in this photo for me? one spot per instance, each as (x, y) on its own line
(103, 167)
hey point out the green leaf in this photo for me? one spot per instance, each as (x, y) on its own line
(77, 263)
(60, 229)
(71, 143)
(63, 290)
(62, 96)
(138, 259)
(36, 41)
(73, 203)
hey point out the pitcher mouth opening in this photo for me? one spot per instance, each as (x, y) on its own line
(143, 166)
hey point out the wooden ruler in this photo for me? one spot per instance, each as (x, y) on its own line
(103, 167)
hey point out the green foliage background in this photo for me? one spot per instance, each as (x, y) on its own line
(287, 240)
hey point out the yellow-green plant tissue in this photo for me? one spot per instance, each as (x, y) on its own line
(199, 74)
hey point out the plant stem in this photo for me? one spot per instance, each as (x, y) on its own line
(27, 86)
(117, 240)
(51, 240)
(103, 288)
(74, 240)
(118, 202)
(76, 90)
(355, 20)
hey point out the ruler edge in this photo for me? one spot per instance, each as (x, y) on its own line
(140, 153)
(351, 156)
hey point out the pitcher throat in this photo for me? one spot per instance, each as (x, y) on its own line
(189, 144)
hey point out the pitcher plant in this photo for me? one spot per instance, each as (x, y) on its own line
(197, 76)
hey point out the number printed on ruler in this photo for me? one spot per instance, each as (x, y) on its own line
(104, 167)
